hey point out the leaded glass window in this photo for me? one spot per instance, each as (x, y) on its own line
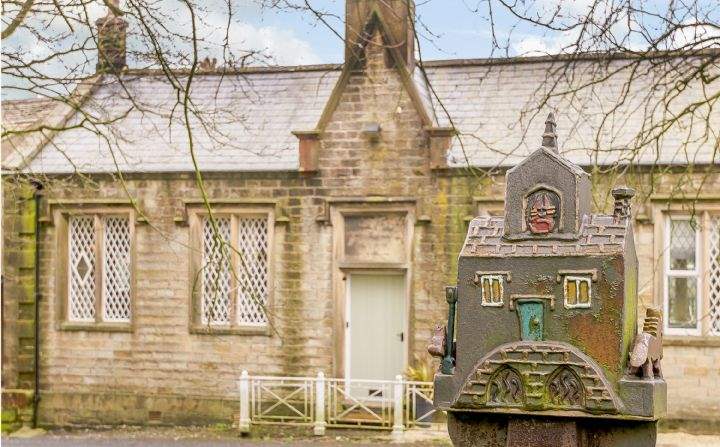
(681, 275)
(253, 271)
(81, 281)
(714, 273)
(216, 287)
(99, 269)
(234, 271)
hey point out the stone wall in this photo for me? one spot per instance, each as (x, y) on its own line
(162, 369)
(18, 285)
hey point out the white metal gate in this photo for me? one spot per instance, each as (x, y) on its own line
(329, 402)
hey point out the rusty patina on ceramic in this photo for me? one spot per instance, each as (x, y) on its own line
(547, 349)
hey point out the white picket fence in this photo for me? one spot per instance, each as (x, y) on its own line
(323, 402)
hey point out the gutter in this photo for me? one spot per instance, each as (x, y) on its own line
(37, 196)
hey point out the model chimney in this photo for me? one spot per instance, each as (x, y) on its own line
(550, 135)
(397, 18)
(112, 34)
(622, 195)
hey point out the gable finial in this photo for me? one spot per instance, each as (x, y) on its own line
(549, 136)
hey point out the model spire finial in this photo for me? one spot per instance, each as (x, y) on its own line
(549, 136)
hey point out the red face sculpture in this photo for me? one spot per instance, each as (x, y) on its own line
(543, 208)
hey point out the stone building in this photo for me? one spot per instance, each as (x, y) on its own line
(345, 192)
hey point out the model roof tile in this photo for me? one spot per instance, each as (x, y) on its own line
(599, 235)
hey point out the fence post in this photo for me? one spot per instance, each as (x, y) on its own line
(244, 423)
(319, 426)
(398, 427)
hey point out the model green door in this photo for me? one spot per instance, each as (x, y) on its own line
(530, 313)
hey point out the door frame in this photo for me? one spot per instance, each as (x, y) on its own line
(341, 268)
(405, 324)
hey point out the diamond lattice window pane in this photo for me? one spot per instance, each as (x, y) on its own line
(216, 273)
(682, 245)
(116, 269)
(252, 271)
(714, 270)
(682, 302)
(81, 272)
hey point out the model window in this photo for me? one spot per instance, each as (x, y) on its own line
(578, 291)
(491, 290)
(99, 273)
(234, 270)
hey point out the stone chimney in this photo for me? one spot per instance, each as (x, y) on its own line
(112, 33)
(397, 20)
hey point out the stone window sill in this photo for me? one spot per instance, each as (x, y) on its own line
(230, 330)
(692, 341)
(96, 327)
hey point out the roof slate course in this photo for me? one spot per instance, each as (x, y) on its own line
(239, 123)
(243, 121)
(19, 115)
(494, 106)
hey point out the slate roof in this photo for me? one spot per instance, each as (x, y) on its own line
(493, 104)
(243, 123)
(24, 114)
(245, 119)
(599, 235)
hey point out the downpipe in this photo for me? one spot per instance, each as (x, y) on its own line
(37, 196)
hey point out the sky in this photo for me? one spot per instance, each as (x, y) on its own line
(448, 29)
(459, 32)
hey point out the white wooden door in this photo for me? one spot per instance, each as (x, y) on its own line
(375, 324)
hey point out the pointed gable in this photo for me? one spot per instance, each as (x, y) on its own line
(362, 18)
(546, 196)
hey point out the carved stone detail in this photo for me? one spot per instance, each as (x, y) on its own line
(581, 384)
(565, 389)
(506, 388)
(436, 348)
(646, 352)
(543, 209)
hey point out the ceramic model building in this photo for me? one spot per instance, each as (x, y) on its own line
(546, 308)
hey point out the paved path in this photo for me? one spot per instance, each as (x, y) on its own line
(140, 442)
(205, 438)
